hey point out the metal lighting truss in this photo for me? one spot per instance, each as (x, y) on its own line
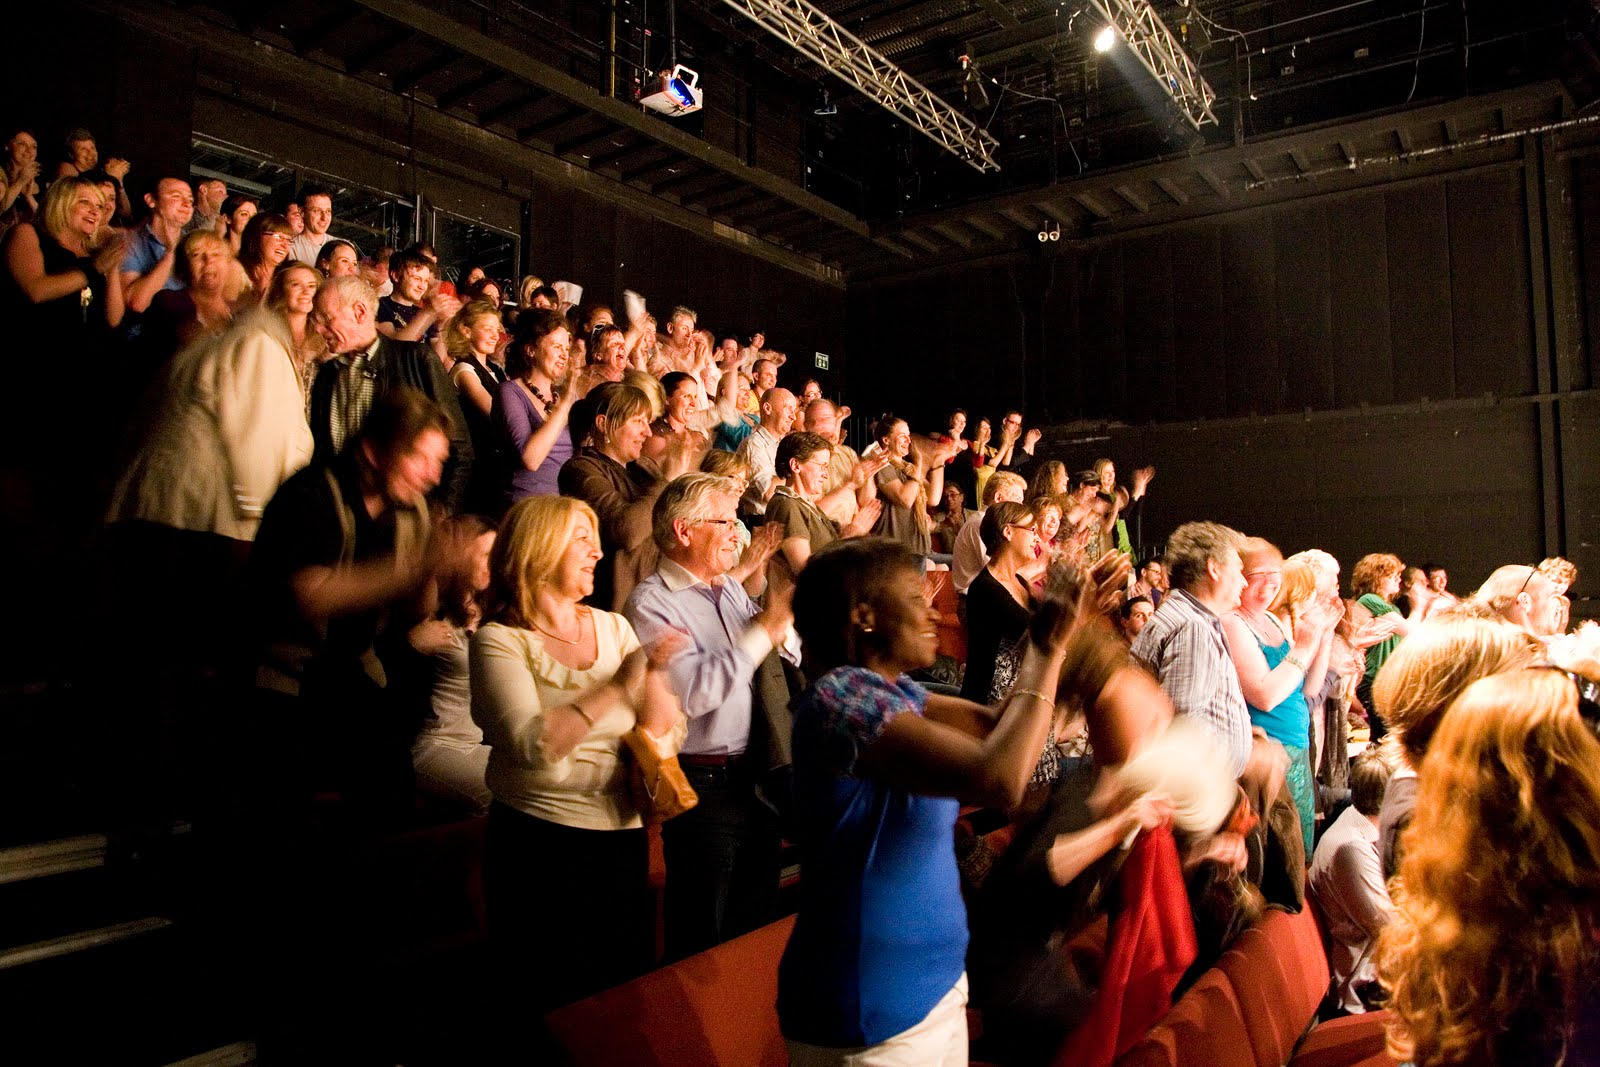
(810, 31)
(1161, 54)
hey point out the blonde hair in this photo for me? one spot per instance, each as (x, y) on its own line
(1492, 951)
(57, 211)
(1256, 549)
(533, 537)
(727, 465)
(1298, 590)
(650, 386)
(1373, 570)
(1431, 667)
(1559, 570)
(999, 481)
(456, 339)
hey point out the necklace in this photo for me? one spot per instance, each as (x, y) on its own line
(557, 637)
(545, 401)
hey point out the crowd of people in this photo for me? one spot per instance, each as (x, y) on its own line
(532, 559)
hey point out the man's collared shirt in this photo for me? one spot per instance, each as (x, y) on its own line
(967, 554)
(305, 247)
(1182, 645)
(353, 390)
(145, 250)
(711, 677)
(1346, 879)
(760, 450)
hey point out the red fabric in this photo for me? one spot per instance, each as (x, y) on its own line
(1150, 945)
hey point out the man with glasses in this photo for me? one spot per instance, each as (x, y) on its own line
(1524, 597)
(722, 855)
(1012, 456)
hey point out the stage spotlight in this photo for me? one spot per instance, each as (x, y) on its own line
(1106, 39)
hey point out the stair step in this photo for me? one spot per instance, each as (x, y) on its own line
(238, 1054)
(81, 941)
(21, 863)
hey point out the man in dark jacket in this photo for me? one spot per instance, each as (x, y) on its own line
(365, 366)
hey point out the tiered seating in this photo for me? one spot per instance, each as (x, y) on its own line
(717, 1010)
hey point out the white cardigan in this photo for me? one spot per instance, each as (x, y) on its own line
(228, 428)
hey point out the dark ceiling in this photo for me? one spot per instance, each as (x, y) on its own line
(858, 191)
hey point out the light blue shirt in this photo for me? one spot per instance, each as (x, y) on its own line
(711, 677)
(145, 250)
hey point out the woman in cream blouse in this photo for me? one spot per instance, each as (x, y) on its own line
(555, 686)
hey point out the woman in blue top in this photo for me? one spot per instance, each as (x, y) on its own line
(875, 970)
(1280, 662)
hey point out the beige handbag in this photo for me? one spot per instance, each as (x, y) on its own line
(660, 788)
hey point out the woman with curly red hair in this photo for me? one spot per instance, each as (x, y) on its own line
(1493, 957)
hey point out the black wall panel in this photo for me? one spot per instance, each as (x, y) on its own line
(1358, 301)
(1492, 325)
(1200, 309)
(1419, 292)
(1305, 309)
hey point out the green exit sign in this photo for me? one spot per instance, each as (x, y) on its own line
(822, 361)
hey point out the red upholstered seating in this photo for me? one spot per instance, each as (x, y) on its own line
(1345, 1042)
(1206, 1027)
(1280, 973)
(715, 1009)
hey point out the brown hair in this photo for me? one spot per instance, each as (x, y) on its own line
(1492, 950)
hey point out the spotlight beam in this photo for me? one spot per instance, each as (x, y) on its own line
(1160, 53)
(810, 31)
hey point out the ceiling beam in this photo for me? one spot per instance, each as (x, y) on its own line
(536, 131)
(466, 88)
(1136, 201)
(514, 103)
(952, 233)
(405, 81)
(239, 75)
(385, 43)
(480, 45)
(319, 31)
(989, 230)
(1173, 190)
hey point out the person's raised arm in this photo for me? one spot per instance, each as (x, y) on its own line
(902, 492)
(533, 446)
(507, 707)
(471, 389)
(140, 289)
(1263, 687)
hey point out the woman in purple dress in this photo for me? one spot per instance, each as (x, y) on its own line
(531, 408)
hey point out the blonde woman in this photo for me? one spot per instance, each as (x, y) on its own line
(1493, 957)
(1281, 662)
(66, 274)
(555, 686)
(1415, 687)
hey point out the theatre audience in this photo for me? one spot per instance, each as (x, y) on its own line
(237, 211)
(876, 965)
(364, 366)
(905, 485)
(1346, 881)
(1417, 684)
(316, 209)
(760, 448)
(799, 507)
(1378, 625)
(1524, 597)
(722, 855)
(448, 755)
(343, 555)
(66, 281)
(1492, 957)
(1282, 660)
(293, 295)
(555, 686)
(999, 600)
(970, 556)
(19, 184)
(263, 248)
(605, 473)
(529, 416)
(153, 247)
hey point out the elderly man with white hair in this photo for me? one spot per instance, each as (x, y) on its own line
(365, 365)
(722, 855)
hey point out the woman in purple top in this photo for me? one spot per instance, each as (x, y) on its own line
(531, 408)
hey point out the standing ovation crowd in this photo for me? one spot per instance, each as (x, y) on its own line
(530, 560)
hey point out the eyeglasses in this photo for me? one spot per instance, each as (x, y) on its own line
(1588, 697)
(1524, 586)
(724, 523)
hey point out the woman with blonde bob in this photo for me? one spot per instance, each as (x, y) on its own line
(1415, 687)
(555, 686)
(1493, 956)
